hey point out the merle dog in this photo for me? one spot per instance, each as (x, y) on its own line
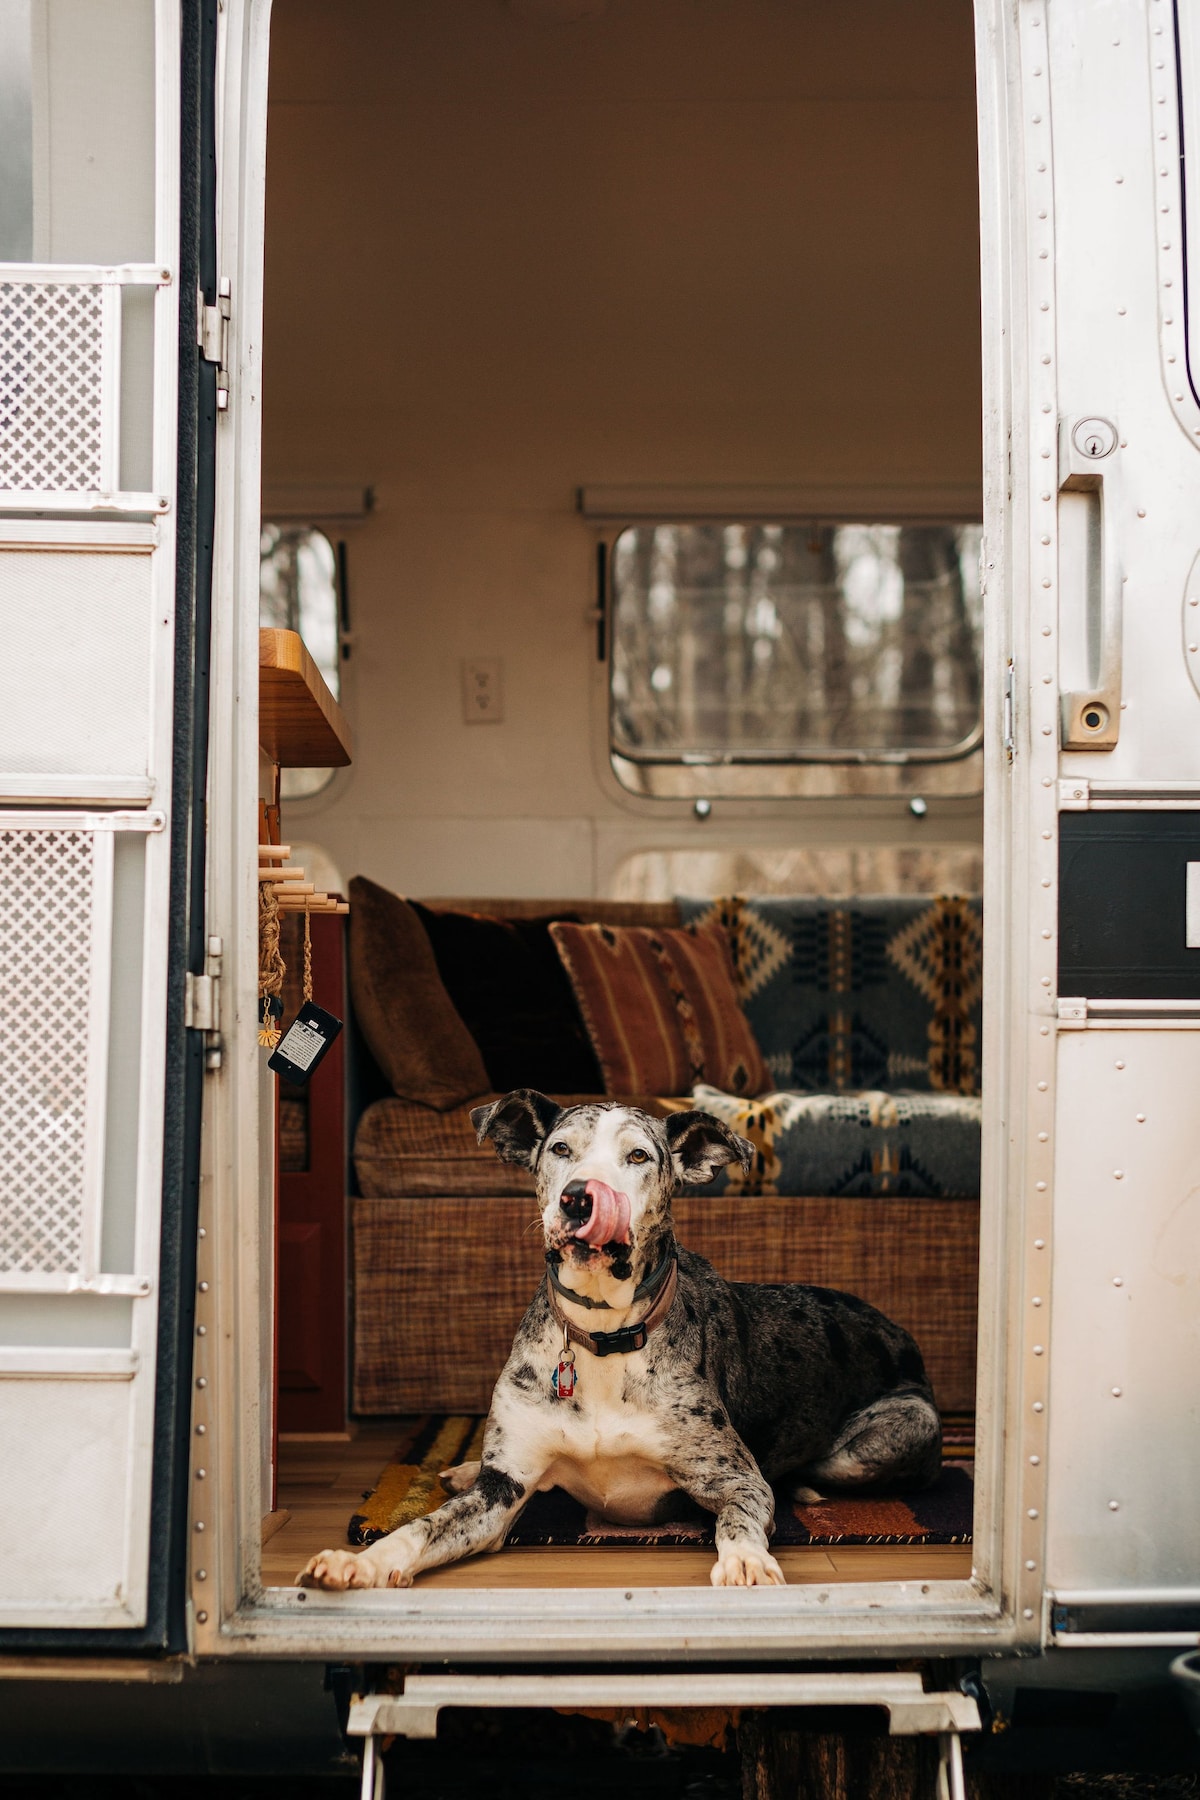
(638, 1373)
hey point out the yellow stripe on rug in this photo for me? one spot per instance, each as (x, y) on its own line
(409, 1490)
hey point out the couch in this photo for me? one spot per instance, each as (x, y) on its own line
(867, 1013)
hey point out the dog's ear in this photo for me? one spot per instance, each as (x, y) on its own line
(701, 1144)
(517, 1124)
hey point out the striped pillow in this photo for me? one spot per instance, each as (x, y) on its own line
(661, 1008)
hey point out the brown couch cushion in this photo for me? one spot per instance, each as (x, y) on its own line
(401, 1150)
(506, 982)
(661, 1008)
(401, 1004)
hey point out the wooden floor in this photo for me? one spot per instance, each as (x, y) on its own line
(321, 1483)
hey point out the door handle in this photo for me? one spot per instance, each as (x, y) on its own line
(1088, 463)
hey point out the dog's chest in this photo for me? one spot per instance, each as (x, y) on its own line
(610, 1450)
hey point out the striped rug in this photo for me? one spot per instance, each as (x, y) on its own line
(408, 1487)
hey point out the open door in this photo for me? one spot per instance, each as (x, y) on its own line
(1102, 805)
(104, 447)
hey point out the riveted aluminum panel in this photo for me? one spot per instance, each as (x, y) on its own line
(1123, 1445)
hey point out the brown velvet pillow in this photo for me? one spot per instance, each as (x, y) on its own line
(661, 1008)
(402, 1007)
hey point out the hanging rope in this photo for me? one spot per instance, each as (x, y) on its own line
(271, 966)
(307, 958)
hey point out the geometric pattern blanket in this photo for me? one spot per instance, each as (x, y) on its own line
(408, 1488)
(868, 1145)
(863, 994)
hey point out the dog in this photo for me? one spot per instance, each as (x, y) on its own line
(638, 1375)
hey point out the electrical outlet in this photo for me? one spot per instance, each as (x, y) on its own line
(483, 690)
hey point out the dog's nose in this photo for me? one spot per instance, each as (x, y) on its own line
(576, 1202)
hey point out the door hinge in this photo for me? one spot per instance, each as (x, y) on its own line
(213, 337)
(202, 1003)
(1010, 741)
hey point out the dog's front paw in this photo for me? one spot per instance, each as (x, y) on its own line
(745, 1565)
(337, 1570)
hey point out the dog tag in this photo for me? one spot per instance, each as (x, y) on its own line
(562, 1382)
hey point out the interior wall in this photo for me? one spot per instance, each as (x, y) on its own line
(515, 247)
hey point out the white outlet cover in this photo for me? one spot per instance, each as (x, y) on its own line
(482, 690)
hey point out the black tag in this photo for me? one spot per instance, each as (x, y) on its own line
(304, 1043)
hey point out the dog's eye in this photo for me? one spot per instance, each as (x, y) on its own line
(560, 1149)
(637, 1156)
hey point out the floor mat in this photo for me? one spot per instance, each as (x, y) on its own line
(408, 1488)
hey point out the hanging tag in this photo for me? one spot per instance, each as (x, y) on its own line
(562, 1382)
(304, 1044)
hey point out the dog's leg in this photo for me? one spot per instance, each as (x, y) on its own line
(475, 1520)
(893, 1442)
(725, 1479)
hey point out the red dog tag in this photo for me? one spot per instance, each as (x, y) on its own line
(562, 1382)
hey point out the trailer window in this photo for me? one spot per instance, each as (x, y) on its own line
(750, 649)
(298, 591)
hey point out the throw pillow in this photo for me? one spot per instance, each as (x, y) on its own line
(511, 991)
(402, 1007)
(661, 1008)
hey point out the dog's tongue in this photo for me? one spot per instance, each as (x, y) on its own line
(609, 1219)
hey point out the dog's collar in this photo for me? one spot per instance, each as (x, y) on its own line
(628, 1337)
(651, 1285)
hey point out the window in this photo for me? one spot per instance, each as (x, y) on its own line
(298, 591)
(747, 650)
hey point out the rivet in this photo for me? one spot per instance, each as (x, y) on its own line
(1119, 1064)
(199, 1524)
(202, 1618)
(1045, 1031)
(1118, 1174)
(1047, 782)
(1041, 168)
(1046, 582)
(1037, 118)
(1118, 1281)
(1045, 981)
(1192, 600)
(1037, 1300)
(1164, 209)
(1043, 1137)
(201, 1574)
(1116, 1393)
(1039, 1350)
(1045, 934)
(1039, 1243)
(1114, 1506)
(1042, 1087)
(1120, 180)
(1033, 1512)
(201, 1474)
(1044, 307)
(1031, 1565)
(1045, 834)
(1042, 215)
(204, 1287)
(1039, 1406)
(1141, 1118)
(1141, 512)
(1045, 359)
(1029, 1612)
(1192, 649)
(1045, 881)
(1035, 1460)
(202, 1232)
(1046, 538)
(1045, 458)
(1046, 733)
(202, 1381)
(202, 1331)
(201, 1430)
(1120, 312)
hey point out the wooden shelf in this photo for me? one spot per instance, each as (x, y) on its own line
(300, 724)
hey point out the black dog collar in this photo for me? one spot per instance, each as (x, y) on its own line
(627, 1337)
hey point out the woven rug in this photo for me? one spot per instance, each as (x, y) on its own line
(408, 1487)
